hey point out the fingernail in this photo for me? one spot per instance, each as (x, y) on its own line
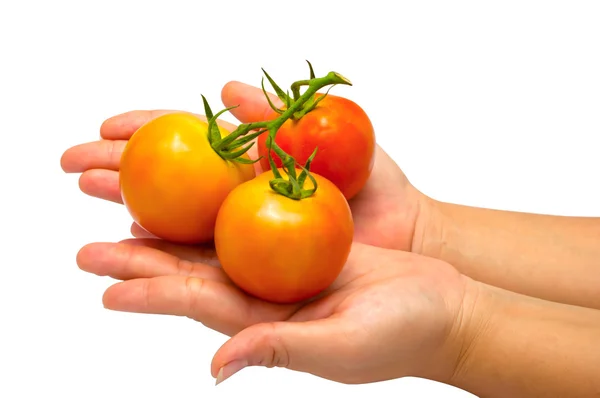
(229, 370)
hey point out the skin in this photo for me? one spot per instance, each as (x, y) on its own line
(555, 258)
(465, 331)
(521, 346)
(173, 182)
(400, 314)
(292, 249)
(381, 296)
(341, 130)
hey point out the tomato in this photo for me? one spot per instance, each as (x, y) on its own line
(280, 249)
(172, 181)
(345, 139)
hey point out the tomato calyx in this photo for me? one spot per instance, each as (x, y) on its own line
(293, 187)
(232, 146)
(239, 141)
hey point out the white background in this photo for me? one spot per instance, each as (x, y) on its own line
(492, 104)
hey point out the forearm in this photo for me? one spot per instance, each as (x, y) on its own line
(526, 347)
(550, 257)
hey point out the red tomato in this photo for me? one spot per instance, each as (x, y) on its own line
(172, 181)
(279, 249)
(345, 139)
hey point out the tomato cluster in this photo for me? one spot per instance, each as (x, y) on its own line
(281, 239)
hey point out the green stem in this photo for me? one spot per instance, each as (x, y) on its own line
(229, 147)
(314, 85)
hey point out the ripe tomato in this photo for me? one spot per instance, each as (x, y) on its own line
(345, 139)
(172, 181)
(279, 249)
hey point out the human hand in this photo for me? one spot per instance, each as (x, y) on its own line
(385, 211)
(389, 314)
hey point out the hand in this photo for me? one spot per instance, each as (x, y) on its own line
(385, 212)
(390, 314)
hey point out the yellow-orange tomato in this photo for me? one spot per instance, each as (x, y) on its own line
(280, 249)
(172, 181)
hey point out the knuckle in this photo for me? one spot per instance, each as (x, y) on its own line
(184, 267)
(277, 354)
(147, 294)
(193, 288)
(114, 152)
(129, 255)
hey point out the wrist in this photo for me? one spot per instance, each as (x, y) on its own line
(511, 345)
(471, 318)
(476, 321)
(470, 325)
(428, 229)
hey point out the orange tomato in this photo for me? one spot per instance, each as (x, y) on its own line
(172, 181)
(279, 249)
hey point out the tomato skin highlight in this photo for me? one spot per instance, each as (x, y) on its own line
(344, 136)
(172, 182)
(279, 249)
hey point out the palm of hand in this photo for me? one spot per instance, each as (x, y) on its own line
(395, 311)
(385, 210)
(381, 296)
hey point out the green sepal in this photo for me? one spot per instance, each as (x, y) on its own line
(212, 135)
(274, 168)
(245, 161)
(306, 168)
(271, 104)
(242, 141)
(232, 155)
(215, 138)
(280, 186)
(207, 111)
(312, 72)
(287, 100)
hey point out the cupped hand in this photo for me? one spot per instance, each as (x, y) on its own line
(385, 211)
(390, 314)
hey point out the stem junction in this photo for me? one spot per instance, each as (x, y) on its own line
(239, 141)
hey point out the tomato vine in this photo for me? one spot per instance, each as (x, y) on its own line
(239, 141)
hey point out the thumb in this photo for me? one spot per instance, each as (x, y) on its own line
(312, 347)
(253, 104)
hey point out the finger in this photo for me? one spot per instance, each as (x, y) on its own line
(140, 232)
(129, 261)
(122, 127)
(106, 153)
(103, 154)
(309, 346)
(204, 254)
(219, 306)
(103, 184)
(253, 105)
